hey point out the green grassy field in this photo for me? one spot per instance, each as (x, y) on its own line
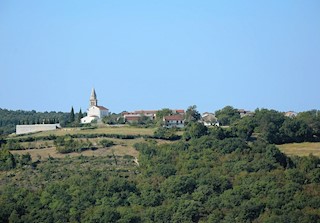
(300, 149)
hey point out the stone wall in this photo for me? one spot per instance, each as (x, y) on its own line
(23, 129)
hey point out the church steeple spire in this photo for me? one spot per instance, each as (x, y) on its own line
(93, 98)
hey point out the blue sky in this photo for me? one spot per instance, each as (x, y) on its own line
(159, 54)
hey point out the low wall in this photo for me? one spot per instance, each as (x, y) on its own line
(23, 129)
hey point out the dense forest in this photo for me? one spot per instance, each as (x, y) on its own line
(9, 119)
(209, 175)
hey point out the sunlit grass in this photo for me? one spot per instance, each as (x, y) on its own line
(301, 149)
(124, 130)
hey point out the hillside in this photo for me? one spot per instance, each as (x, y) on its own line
(44, 148)
(41, 145)
(211, 177)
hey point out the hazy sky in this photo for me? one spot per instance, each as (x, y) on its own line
(157, 54)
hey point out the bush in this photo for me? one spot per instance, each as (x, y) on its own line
(67, 144)
(106, 143)
(12, 145)
(7, 160)
(164, 133)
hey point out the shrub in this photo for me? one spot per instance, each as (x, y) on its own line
(7, 160)
(106, 143)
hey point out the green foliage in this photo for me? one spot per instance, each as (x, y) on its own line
(312, 119)
(106, 143)
(66, 144)
(166, 133)
(101, 213)
(9, 119)
(215, 176)
(217, 132)
(163, 112)
(145, 120)
(192, 115)
(24, 159)
(269, 123)
(228, 115)
(79, 116)
(7, 160)
(243, 128)
(72, 116)
(195, 130)
(295, 130)
(272, 126)
(113, 119)
(12, 145)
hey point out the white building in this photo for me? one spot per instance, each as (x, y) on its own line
(24, 129)
(95, 112)
(209, 119)
(173, 121)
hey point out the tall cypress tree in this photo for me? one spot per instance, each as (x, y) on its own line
(71, 119)
(80, 116)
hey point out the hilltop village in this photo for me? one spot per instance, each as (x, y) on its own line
(170, 118)
(97, 113)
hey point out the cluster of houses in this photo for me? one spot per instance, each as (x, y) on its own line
(96, 112)
(176, 119)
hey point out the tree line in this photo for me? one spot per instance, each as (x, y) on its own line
(272, 126)
(9, 119)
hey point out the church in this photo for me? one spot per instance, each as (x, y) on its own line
(95, 112)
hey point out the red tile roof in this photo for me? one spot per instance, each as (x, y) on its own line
(173, 118)
(146, 112)
(132, 118)
(180, 111)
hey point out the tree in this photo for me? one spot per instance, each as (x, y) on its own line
(7, 160)
(192, 115)
(195, 130)
(162, 113)
(312, 119)
(106, 143)
(243, 128)
(71, 117)
(14, 217)
(227, 115)
(80, 116)
(166, 133)
(294, 130)
(144, 120)
(268, 124)
(113, 119)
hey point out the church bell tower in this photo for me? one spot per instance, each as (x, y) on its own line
(93, 98)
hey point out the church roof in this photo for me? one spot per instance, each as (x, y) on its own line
(93, 95)
(102, 108)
